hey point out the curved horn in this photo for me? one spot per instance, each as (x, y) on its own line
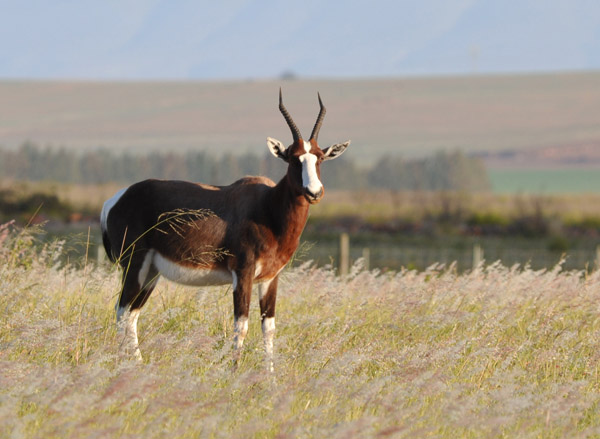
(295, 131)
(319, 122)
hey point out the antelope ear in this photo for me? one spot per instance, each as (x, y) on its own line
(335, 151)
(277, 148)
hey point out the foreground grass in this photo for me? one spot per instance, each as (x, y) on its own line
(498, 352)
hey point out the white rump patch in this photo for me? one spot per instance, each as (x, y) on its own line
(198, 277)
(310, 179)
(108, 205)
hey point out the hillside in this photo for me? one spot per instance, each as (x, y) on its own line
(409, 117)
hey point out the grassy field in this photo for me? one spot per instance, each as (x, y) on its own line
(496, 352)
(406, 116)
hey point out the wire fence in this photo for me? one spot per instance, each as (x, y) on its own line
(395, 257)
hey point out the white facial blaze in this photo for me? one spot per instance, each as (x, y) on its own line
(310, 179)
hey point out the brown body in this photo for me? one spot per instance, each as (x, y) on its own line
(251, 226)
(198, 234)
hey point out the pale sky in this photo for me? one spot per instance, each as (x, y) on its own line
(241, 39)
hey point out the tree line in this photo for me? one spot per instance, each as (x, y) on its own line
(442, 171)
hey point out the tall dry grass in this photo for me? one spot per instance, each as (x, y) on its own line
(496, 352)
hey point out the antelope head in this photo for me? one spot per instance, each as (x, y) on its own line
(304, 158)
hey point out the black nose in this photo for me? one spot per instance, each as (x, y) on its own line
(315, 196)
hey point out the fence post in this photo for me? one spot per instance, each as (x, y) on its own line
(477, 255)
(344, 254)
(366, 255)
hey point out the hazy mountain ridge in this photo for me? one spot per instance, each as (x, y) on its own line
(161, 39)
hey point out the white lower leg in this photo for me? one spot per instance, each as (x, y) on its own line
(127, 328)
(240, 329)
(268, 330)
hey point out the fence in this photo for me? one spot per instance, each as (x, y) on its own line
(395, 257)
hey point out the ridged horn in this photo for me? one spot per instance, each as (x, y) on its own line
(295, 131)
(319, 122)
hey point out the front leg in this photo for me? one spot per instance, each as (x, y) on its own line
(267, 294)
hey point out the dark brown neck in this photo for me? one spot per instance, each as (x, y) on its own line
(288, 210)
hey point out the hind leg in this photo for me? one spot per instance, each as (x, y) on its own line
(139, 279)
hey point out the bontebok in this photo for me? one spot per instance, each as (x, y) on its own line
(197, 234)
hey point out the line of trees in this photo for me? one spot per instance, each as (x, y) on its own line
(442, 171)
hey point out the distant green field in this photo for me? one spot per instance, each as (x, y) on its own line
(548, 181)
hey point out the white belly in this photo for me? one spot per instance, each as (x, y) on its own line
(190, 276)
